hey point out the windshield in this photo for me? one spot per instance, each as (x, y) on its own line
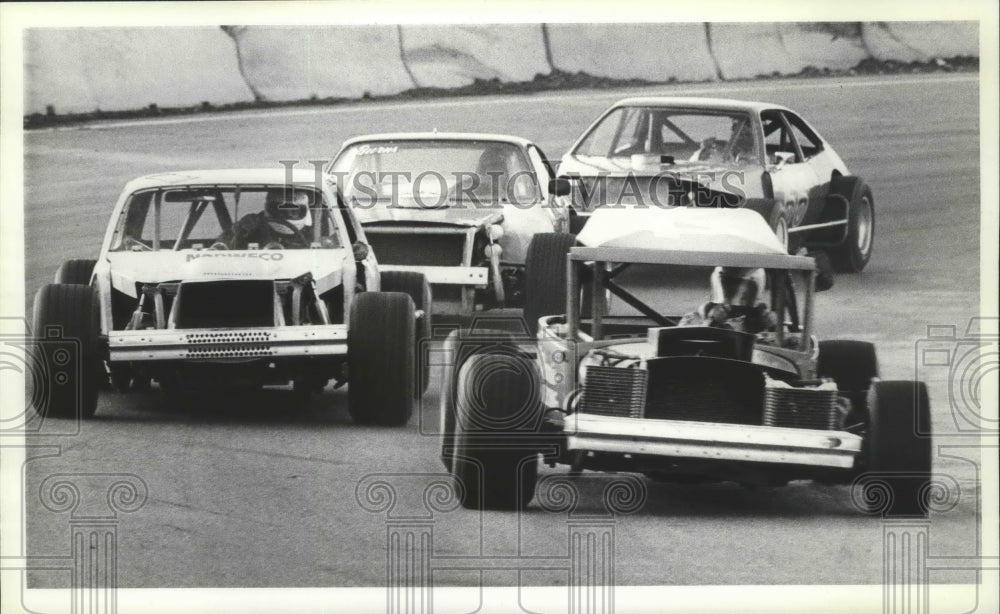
(225, 217)
(435, 174)
(685, 135)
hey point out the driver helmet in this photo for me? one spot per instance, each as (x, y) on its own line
(742, 138)
(289, 207)
(737, 287)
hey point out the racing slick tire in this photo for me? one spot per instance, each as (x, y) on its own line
(75, 272)
(415, 284)
(459, 346)
(853, 254)
(545, 276)
(67, 351)
(497, 410)
(380, 358)
(897, 450)
(774, 214)
(853, 365)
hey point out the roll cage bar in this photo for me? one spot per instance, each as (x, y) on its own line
(603, 264)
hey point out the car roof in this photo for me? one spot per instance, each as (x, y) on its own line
(229, 176)
(438, 136)
(720, 104)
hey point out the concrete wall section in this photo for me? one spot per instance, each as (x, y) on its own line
(745, 50)
(915, 41)
(81, 70)
(453, 56)
(837, 46)
(84, 69)
(296, 63)
(657, 52)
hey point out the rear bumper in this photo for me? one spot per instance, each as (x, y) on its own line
(214, 343)
(714, 441)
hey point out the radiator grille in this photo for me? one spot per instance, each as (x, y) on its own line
(802, 408)
(704, 390)
(228, 336)
(610, 391)
(418, 249)
(224, 304)
(230, 351)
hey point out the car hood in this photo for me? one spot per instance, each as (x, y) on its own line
(740, 231)
(129, 268)
(465, 215)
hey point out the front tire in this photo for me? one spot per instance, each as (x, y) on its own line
(898, 454)
(545, 276)
(380, 358)
(416, 286)
(70, 358)
(497, 412)
(75, 272)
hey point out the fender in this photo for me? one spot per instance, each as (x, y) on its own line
(836, 207)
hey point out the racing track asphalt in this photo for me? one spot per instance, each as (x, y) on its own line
(243, 493)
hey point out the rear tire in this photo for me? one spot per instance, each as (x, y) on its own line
(497, 410)
(898, 454)
(460, 346)
(416, 286)
(73, 369)
(852, 256)
(545, 276)
(380, 358)
(75, 272)
(853, 365)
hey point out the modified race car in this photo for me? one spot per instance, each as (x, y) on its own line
(658, 152)
(735, 389)
(235, 278)
(459, 208)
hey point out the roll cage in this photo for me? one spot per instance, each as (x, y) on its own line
(599, 266)
(135, 216)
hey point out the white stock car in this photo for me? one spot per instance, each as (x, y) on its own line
(460, 208)
(717, 152)
(232, 278)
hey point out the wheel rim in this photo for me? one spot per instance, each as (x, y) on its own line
(864, 225)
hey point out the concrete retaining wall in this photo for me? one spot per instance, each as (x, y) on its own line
(657, 52)
(909, 41)
(453, 56)
(83, 70)
(296, 63)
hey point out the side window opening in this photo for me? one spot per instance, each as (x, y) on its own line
(777, 137)
(808, 140)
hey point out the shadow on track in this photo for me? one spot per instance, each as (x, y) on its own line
(269, 405)
(717, 500)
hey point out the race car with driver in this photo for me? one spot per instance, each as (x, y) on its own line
(232, 278)
(736, 388)
(713, 152)
(460, 208)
